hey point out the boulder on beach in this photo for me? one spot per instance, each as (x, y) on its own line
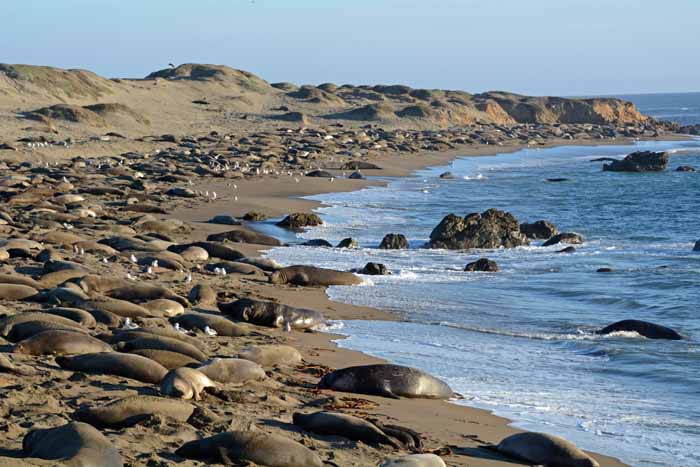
(319, 173)
(299, 220)
(539, 229)
(254, 216)
(490, 229)
(482, 265)
(356, 176)
(640, 161)
(565, 237)
(394, 242)
(318, 242)
(374, 269)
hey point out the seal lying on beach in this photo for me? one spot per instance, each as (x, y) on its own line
(60, 342)
(131, 410)
(201, 321)
(643, 328)
(544, 449)
(185, 383)
(271, 314)
(347, 426)
(114, 363)
(416, 460)
(271, 355)
(75, 443)
(252, 446)
(313, 276)
(386, 380)
(232, 370)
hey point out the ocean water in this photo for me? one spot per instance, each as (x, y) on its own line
(683, 108)
(521, 342)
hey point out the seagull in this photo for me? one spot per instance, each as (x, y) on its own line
(171, 65)
(209, 331)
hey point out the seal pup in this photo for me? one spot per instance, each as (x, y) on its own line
(347, 426)
(114, 363)
(75, 443)
(313, 276)
(643, 328)
(185, 383)
(232, 370)
(386, 380)
(132, 410)
(415, 460)
(544, 449)
(252, 446)
(60, 342)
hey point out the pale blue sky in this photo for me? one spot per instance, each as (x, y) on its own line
(566, 47)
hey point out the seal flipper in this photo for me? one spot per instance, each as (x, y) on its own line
(385, 391)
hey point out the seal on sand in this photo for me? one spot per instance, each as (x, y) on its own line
(75, 443)
(415, 460)
(264, 313)
(252, 446)
(347, 426)
(232, 370)
(114, 363)
(168, 359)
(544, 449)
(60, 342)
(131, 410)
(185, 383)
(313, 276)
(643, 328)
(386, 380)
(271, 355)
(201, 321)
(162, 343)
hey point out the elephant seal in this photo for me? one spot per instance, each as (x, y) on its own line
(19, 279)
(131, 410)
(271, 314)
(201, 321)
(123, 289)
(164, 307)
(271, 355)
(56, 278)
(78, 315)
(643, 328)
(75, 443)
(114, 363)
(232, 370)
(313, 276)
(17, 292)
(347, 426)
(415, 460)
(244, 236)
(111, 306)
(6, 366)
(28, 329)
(235, 267)
(149, 331)
(266, 264)
(60, 342)
(202, 295)
(386, 380)
(214, 249)
(9, 322)
(252, 446)
(170, 360)
(162, 343)
(544, 449)
(185, 383)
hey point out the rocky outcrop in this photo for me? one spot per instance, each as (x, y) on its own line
(640, 161)
(374, 269)
(318, 242)
(482, 265)
(685, 168)
(394, 242)
(348, 243)
(490, 229)
(299, 220)
(539, 229)
(697, 246)
(570, 238)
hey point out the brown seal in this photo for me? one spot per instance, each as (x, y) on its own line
(313, 276)
(60, 342)
(232, 370)
(544, 449)
(114, 363)
(271, 355)
(185, 383)
(132, 410)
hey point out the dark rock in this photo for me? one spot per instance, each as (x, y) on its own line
(490, 229)
(356, 176)
(319, 173)
(448, 175)
(359, 165)
(604, 270)
(254, 216)
(697, 246)
(539, 229)
(348, 243)
(374, 269)
(568, 249)
(643, 328)
(565, 237)
(640, 161)
(317, 242)
(604, 159)
(300, 219)
(224, 219)
(482, 265)
(685, 168)
(394, 242)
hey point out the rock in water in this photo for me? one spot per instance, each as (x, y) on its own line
(490, 229)
(697, 246)
(394, 242)
(640, 161)
(482, 265)
(565, 237)
(299, 219)
(685, 168)
(539, 229)
(374, 269)
(348, 243)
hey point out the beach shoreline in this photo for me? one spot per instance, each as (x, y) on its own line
(462, 427)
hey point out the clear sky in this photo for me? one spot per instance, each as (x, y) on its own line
(565, 47)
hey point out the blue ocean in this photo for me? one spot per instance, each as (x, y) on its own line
(520, 342)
